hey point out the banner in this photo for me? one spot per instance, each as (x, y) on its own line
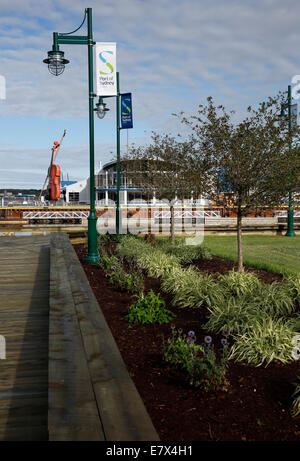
(126, 111)
(106, 69)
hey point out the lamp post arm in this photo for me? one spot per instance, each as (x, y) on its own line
(84, 18)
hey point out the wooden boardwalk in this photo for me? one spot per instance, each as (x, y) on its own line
(63, 377)
(24, 322)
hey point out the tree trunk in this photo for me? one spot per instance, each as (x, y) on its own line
(239, 240)
(172, 225)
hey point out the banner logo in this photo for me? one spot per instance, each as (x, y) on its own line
(111, 68)
(127, 109)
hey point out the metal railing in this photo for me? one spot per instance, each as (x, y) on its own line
(55, 214)
(283, 214)
(187, 214)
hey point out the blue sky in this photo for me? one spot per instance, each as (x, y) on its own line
(171, 54)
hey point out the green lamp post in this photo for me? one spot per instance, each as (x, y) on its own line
(56, 65)
(290, 220)
(101, 111)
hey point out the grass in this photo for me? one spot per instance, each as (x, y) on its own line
(278, 254)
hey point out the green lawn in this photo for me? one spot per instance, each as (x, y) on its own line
(277, 254)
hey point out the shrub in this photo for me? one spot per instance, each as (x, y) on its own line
(294, 322)
(199, 290)
(187, 253)
(132, 282)
(154, 260)
(103, 238)
(296, 402)
(232, 315)
(130, 247)
(201, 364)
(107, 262)
(239, 283)
(179, 350)
(149, 308)
(264, 340)
(178, 278)
(207, 372)
(292, 285)
(157, 263)
(275, 299)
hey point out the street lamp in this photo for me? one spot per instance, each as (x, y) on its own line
(101, 110)
(56, 62)
(290, 221)
(56, 65)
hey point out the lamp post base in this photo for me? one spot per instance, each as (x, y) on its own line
(92, 255)
(290, 234)
(290, 220)
(92, 259)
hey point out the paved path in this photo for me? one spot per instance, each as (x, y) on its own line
(24, 322)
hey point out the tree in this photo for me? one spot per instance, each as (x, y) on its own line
(165, 167)
(252, 155)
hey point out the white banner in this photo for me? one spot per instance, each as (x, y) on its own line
(106, 69)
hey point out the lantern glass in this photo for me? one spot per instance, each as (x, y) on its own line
(101, 108)
(56, 62)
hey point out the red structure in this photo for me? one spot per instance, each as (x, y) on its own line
(53, 188)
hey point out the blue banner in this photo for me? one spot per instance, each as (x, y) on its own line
(126, 111)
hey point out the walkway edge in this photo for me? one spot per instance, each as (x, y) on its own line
(121, 409)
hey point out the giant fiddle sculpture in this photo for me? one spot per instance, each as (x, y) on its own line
(53, 188)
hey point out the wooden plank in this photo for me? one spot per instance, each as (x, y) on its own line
(72, 413)
(121, 408)
(24, 308)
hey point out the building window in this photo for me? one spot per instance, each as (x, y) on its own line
(101, 195)
(112, 195)
(74, 197)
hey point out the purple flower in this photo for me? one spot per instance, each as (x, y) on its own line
(190, 341)
(191, 334)
(172, 326)
(208, 339)
(223, 341)
(180, 330)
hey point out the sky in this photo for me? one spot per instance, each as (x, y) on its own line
(171, 55)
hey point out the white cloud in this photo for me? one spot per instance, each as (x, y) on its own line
(171, 55)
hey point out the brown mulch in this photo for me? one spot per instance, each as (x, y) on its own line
(256, 406)
(218, 265)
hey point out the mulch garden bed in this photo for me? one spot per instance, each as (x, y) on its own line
(256, 406)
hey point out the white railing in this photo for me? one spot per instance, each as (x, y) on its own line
(55, 214)
(283, 214)
(187, 214)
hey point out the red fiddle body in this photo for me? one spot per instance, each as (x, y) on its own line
(54, 182)
(53, 188)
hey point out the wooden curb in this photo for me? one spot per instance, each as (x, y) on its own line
(91, 395)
